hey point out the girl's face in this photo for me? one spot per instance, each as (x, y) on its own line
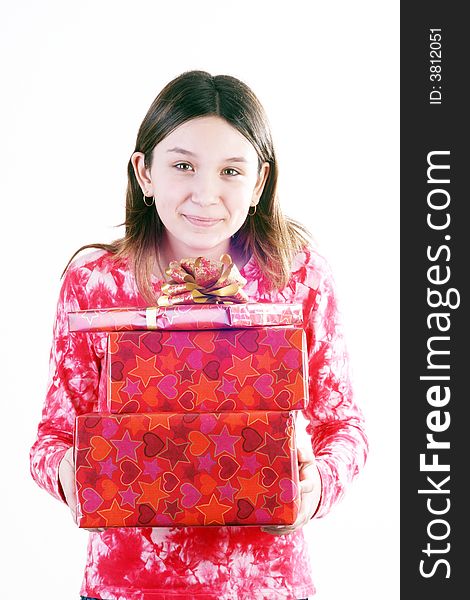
(204, 176)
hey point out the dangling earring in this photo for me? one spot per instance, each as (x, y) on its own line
(253, 213)
(147, 203)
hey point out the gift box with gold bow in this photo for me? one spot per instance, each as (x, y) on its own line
(200, 294)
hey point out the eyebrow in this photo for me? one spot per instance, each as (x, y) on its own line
(179, 150)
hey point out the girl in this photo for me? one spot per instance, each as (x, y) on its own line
(202, 182)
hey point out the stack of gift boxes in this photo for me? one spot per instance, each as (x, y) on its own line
(200, 421)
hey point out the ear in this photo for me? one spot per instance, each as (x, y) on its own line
(259, 187)
(142, 173)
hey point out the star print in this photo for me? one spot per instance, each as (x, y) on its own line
(172, 508)
(186, 374)
(282, 374)
(90, 315)
(250, 463)
(275, 339)
(206, 462)
(81, 456)
(224, 352)
(273, 448)
(175, 453)
(168, 315)
(114, 391)
(270, 503)
(151, 468)
(266, 361)
(168, 362)
(179, 340)
(227, 387)
(91, 477)
(126, 447)
(138, 424)
(299, 387)
(248, 398)
(107, 468)
(145, 369)
(132, 388)
(135, 340)
(242, 368)
(229, 335)
(128, 497)
(227, 491)
(205, 390)
(257, 415)
(115, 515)
(251, 488)
(154, 399)
(224, 442)
(159, 420)
(179, 428)
(152, 493)
(214, 511)
(188, 471)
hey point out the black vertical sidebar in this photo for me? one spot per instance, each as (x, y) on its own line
(434, 332)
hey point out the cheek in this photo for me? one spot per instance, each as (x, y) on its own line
(163, 208)
(239, 196)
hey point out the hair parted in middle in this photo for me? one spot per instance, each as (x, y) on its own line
(271, 237)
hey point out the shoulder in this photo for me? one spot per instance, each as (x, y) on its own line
(310, 268)
(100, 260)
(314, 287)
(94, 263)
(97, 279)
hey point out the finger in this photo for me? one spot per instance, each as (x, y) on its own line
(284, 529)
(275, 530)
(69, 492)
(305, 454)
(306, 486)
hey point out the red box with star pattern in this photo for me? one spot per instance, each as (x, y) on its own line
(181, 469)
(261, 368)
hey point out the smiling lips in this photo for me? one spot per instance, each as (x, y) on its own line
(201, 221)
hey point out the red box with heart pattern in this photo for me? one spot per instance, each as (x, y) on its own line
(261, 368)
(176, 469)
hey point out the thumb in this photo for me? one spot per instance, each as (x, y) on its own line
(305, 454)
(67, 479)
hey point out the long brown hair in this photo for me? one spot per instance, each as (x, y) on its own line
(271, 237)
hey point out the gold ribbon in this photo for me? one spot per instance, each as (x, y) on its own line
(151, 313)
(201, 280)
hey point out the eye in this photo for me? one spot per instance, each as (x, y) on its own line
(234, 171)
(182, 166)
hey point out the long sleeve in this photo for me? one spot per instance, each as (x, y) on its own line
(71, 389)
(336, 424)
(226, 561)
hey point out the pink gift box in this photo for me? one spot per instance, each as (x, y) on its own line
(189, 316)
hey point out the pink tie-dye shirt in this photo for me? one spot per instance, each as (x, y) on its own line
(215, 562)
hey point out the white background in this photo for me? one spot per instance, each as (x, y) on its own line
(77, 79)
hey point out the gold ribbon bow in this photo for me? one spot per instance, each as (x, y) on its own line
(201, 280)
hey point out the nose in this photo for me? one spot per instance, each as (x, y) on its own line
(205, 190)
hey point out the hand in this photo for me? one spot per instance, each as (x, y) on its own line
(310, 493)
(67, 481)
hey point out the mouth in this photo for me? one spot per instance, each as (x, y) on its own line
(201, 221)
